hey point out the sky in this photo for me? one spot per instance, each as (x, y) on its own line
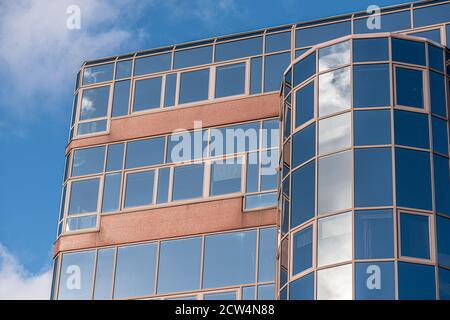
(39, 59)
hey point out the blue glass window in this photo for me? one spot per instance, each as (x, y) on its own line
(274, 67)
(409, 87)
(94, 103)
(115, 157)
(442, 184)
(262, 200)
(408, 51)
(221, 296)
(278, 42)
(194, 86)
(434, 35)
(267, 252)
(424, 285)
(143, 153)
(185, 146)
(121, 98)
(303, 288)
(88, 161)
(374, 234)
(440, 135)
(411, 129)
(303, 250)
(256, 75)
(238, 49)
(252, 180)
(99, 73)
(304, 104)
(271, 133)
(443, 240)
(303, 190)
(389, 22)
(152, 64)
(111, 192)
(287, 123)
(365, 95)
(414, 236)
(444, 284)
(304, 145)
(147, 94)
(372, 127)
(266, 292)
(412, 169)
(188, 182)
(84, 196)
(437, 94)
(92, 127)
(163, 185)
(169, 90)
(235, 139)
(372, 49)
(193, 57)
(225, 177)
(334, 91)
(269, 169)
(85, 262)
(375, 281)
(139, 189)
(123, 69)
(304, 68)
(104, 274)
(431, 15)
(373, 177)
(314, 35)
(230, 80)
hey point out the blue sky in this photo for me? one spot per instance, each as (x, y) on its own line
(38, 64)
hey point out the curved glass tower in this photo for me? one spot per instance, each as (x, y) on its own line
(365, 194)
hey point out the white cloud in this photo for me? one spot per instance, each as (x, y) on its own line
(16, 283)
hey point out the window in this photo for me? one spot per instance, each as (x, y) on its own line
(139, 189)
(94, 103)
(81, 223)
(334, 91)
(334, 239)
(444, 284)
(179, 265)
(84, 263)
(278, 42)
(411, 129)
(111, 192)
(266, 292)
(434, 35)
(314, 35)
(104, 274)
(92, 127)
(271, 133)
(304, 104)
(163, 185)
(123, 69)
(88, 161)
(262, 200)
(408, 51)
(440, 135)
(436, 56)
(374, 234)
(115, 157)
(287, 123)
(99, 73)
(143, 153)
(431, 15)
(230, 80)
(188, 182)
(303, 191)
(412, 169)
(267, 250)
(303, 250)
(303, 288)
(335, 133)
(121, 98)
(409, 87)
(372, 49)
(225, 177)
(169, 90)
(274, 67)
(304, 145)
(437, 94)
(255, 75)
(304, 68)
(252, 179)
(335, 183)
(135, 271)
(84, 196)
(221, 296)
(373, 177)
(334, 56)
(147, 94)
(424, 285)
(234, 139)
(269, 169)
(152, 64)
(238, 49)
(443, 240)
(389, 22)
(414, 236)
(230, 259)
(248, 293)
(188, 145)
(335, 283)
(442, 184)
(372, 127)
(193, 57)
(366, 95)
(375, 281)
(194, 86)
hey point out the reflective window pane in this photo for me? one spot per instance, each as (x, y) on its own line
(437, 94)
(115, 157)
(303, 191)
(335, 133)
(238, 49)
(135, 271)
(408, 51)
(193, 57)
(334, 91)
(139, 189)
(304, 145)
(334, 56)
(278, 42)
(409, 87)
(229, 259)
(314, 35)
(84, 196)
(335, 183)
(266, 292)
(444, 284)
(188, 182)
(255, 75)
(81, 263)
(334, 239)
(194, 86)
(431, 15)
(104, 274)
(230, 80)
(304, 68)
(442, 184)
(111, 192)
(94, 103)
(234, 139)
(374, 234)
(123, 69)
(169, 90)
(187, 145)
(271, 133)
(92, 127)
(274, 67)
(443, 240)
(414, 236)
(269, 169)
(88, 161)
(372, 49)
(411, 129)
(422, 288)
(147, 94)
(364, 95)
(267, 252)
(143, 153)
(179, 265)
(375, 281)
(262, 200)
(99, 73)
(440, 135)
(304, 104)
(121, 98)
(163, 185)
(232, 295)
(303, 288)
(248, 293)
(434, 35)
(389, 22)
(252, 179)
(372, 127)
(436, 56)
(303, 250)
(335, 283)
(81, 223)
(152, 64)
(225, 177)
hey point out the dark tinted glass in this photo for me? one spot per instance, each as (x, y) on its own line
(267, 252)
(411, 129)
(442, 184)
(304, 145)
(304, 69)
(147, 94)
(375, 281)
(287, 123)
(256, 75)
(193, 57)
(412, 169)
(434, 35)
(88, 161)
(152, 64)
(373, 177)
(194, 86)
(221, 296)
(303, 288)
(409, 87)
(408, 51)
(315, 35)
(274, 67)
(74, 110)
(139, 189)
(142, 153)
(271, 133)
(444, 284)
(94, 103)
(104, 274)
(440, 135)
(163, 185)
(303, 194)
(84, 263)
(422, 288)
(170, 88)
(437, 94)
(238, 49)
(97, 74)
(121, 98)
(431, 15)
(414, 236)
(303, 250)
(123, 69)
(188, 182)
(372, 127)
(304, 104)
(84, 196)
(225, 177)
(115, 157)
(443, 240)
(375, 49)
(230, 80)
(252, 172)
(371, 85)
(278, 42)
(111, 192)
(374, 234)
(388, 22)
